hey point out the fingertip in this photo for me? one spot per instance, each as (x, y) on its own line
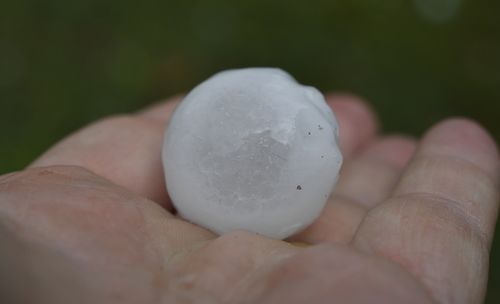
(357, 120)
(465, 139)
(354, 107)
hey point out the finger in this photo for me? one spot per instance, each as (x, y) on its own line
(440, 221)
(125, 149)
(370, 177)
(337, 224)
(357, 121)
(365, 181)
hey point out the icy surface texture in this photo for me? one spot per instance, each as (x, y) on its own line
(253, 150)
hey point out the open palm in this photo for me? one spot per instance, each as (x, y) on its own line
(90, 222)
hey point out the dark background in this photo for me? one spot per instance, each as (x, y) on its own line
(65, 63)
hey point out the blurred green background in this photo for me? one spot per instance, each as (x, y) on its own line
(65, 63)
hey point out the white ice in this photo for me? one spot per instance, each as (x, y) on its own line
(253, 150)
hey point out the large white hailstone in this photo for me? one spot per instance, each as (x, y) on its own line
(252, 150)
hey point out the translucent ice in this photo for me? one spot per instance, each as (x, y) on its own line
(253, 150)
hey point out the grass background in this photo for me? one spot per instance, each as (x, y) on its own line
(65, 63)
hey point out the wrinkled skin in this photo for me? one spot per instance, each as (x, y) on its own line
(409, 222)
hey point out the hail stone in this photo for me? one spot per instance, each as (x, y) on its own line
(253, 150)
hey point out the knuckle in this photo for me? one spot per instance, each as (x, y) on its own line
(49, 192)
(420, 215)
(440, 212)
(17, 181)
(74, 171)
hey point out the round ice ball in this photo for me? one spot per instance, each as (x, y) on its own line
(253, 150)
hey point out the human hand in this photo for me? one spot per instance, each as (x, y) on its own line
(90, 222)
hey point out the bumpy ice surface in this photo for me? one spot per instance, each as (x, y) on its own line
(253, 150)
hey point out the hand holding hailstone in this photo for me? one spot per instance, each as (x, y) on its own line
(252, 150)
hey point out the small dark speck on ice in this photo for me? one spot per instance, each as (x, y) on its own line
(299, 187)
(308, 133)
(320, 127)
